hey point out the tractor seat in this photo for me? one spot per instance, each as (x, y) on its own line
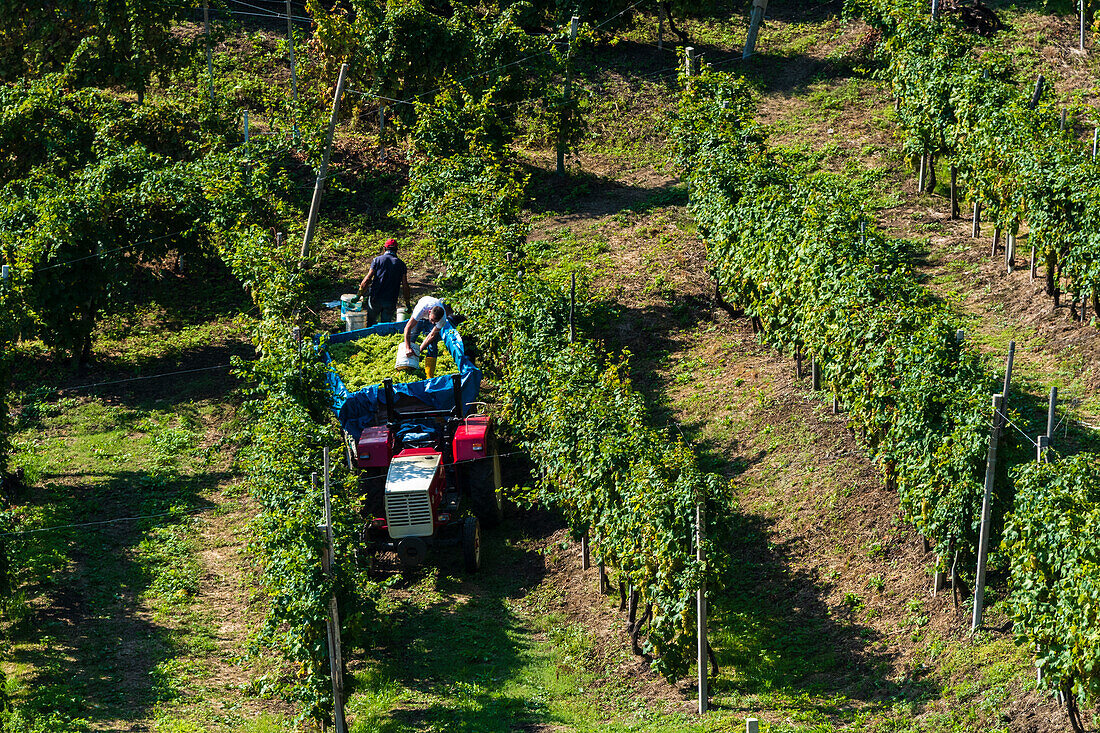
(418, 435)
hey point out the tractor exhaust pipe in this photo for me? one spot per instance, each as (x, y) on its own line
(456, 386)
(391, 415)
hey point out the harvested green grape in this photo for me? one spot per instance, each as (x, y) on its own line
(367, 361)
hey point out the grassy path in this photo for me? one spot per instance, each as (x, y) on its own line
(526, 644)
(123, 623)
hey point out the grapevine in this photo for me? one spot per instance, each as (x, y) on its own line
(1054, 586)
(572, 408)
(958, 98)
(788, 247)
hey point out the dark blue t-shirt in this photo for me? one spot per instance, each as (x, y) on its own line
(389, 271)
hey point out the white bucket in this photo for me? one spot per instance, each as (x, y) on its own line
(402, 315)
(349, 303)
(355, 320)
(407, 363)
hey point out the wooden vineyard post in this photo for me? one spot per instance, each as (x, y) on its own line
(1082, 19)
(1032, 278)
(1000, 403)
(1038, 90)
(701, 611)
(815, 374)
(920, 176)
(319, 186)
(1054, 274)
(5, 569)
(752, 725)
(689, 61)
(1010, 253)
(954, 192)
(935, 9)
(996, 241)
(660, 28)
(1043, 443)
(335, 656)
(382, 133)
(758, 9)
(567, 94)
(209, 51)
(293, 72)
(1095, 141)
(977, 228)
(1050, 411)
(572, 307)
(572, 336)
(983, 537)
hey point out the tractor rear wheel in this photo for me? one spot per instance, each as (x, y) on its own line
(484, 480)
(471, 544)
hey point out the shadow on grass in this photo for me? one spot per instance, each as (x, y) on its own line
(191, 373)
(772, 628)
(1046, 7)
(590, 195)
(775, 634)
(771, 72)
(458, 655)
(93, 649)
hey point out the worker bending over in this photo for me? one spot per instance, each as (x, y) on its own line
(428, 317)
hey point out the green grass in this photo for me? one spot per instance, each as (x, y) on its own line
(107, 607)
(563, 252)
(496, 652)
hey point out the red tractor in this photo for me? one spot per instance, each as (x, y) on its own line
(432, 479)
(430, 469)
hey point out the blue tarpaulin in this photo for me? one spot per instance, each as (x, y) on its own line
(367, 407)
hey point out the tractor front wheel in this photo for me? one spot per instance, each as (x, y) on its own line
(471, 544)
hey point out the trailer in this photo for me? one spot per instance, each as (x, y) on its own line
(425, 455)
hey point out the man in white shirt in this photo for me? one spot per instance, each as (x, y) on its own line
(428, 316)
